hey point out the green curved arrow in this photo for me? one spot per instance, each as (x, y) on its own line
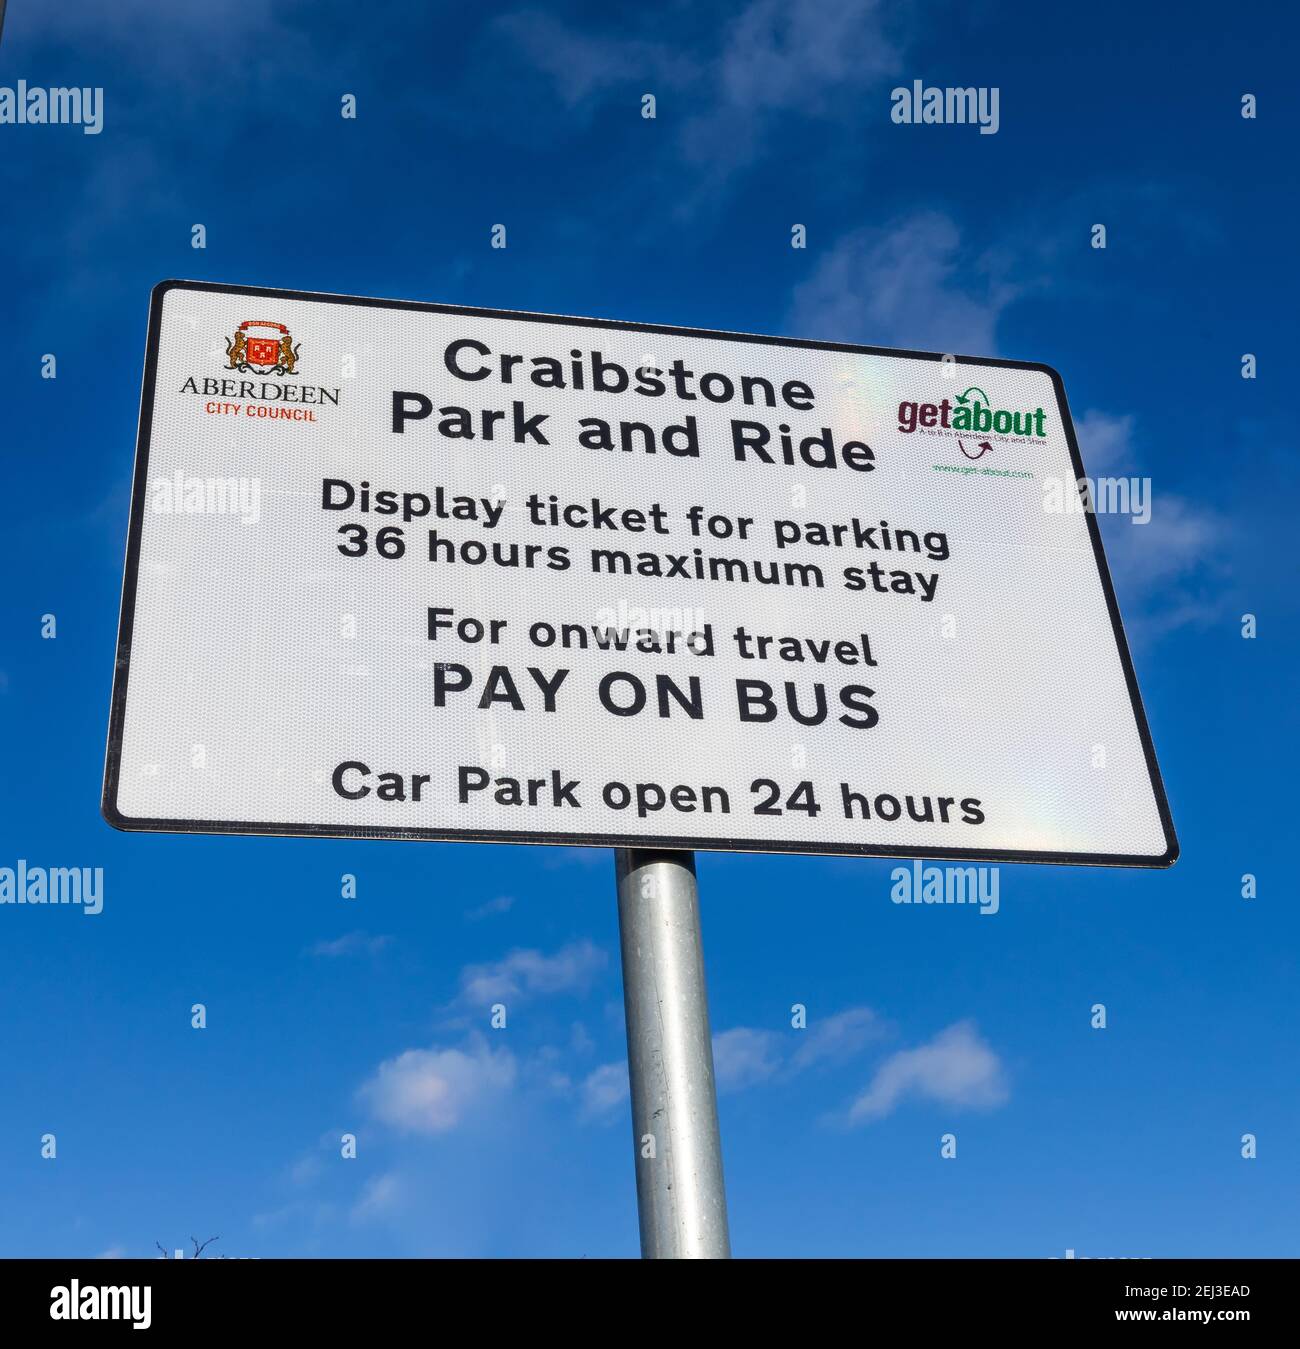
(975, 388)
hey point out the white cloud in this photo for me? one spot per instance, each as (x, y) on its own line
(352, 943)
(1105, 442)
(743, 1057)
(956, 1068)
(523, 972)
(1178, 538)
(834, 1039)
(431, 1091)
(605, 1090)
(782, 57)
(584, 64)
(305, 1171)
(909, 285)
(1167, 572)
(789, 53)
(379, 1197)
(501, 904)
(774, 59)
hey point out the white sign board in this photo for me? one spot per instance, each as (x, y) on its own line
(402, 570)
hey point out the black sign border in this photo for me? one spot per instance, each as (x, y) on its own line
(117, 714)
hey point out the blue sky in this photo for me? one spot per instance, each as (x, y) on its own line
(329, 1015)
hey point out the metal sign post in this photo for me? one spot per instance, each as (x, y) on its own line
(679, 1188)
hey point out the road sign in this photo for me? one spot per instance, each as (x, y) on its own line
(404, 570)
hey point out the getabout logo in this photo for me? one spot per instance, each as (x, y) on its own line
(972, 414)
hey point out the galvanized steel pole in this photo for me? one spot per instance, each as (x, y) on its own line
(679, 1189)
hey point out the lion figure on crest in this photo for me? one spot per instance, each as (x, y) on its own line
(237, 350)
(288, 354)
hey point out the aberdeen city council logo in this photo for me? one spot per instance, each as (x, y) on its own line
(262, 355)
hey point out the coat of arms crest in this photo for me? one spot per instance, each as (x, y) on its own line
(262, 355)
